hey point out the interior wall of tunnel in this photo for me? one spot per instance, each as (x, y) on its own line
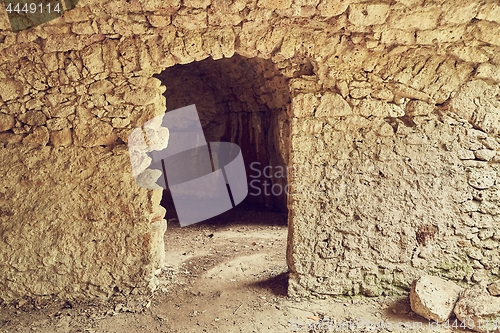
(244, 101)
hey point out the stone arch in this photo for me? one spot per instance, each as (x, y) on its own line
(378, 90)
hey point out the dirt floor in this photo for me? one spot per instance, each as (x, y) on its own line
(227, 274)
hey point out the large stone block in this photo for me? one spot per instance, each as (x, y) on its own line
(488, 72)
(383, 93)
(434, 298)
(274, 4)
(39, 136)
(60, 138)
(476, 102)
(489, 32)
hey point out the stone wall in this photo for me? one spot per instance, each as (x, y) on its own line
(394, 131)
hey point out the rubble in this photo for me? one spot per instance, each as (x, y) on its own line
(434, 298)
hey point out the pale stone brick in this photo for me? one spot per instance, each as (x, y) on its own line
(434, 298)
(368, 14)
(7, 121)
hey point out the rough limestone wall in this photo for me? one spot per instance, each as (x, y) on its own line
(245, 101)
(360, 75)
(395, 142)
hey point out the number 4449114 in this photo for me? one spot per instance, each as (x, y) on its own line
(33, 8)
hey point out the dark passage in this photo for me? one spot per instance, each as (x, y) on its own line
(246, 102)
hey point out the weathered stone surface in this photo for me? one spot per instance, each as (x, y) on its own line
(333, 8)
(274, 4)
(158, 227)
(489, 32)
(157, 136)
(491, 143)
(78, 14)
(489, 12)
(476, 102)
(304, 105)
(448, 35)
(197, 3)
(159, 21)
(375, 108)
(465, 154)
(7, 121)
(60, 138)
(159, 5)
(397, 36)
(10, 89)
(381, 99)
(418, 108)
(83, 28)
(101, 87)
(485, 154)
(494, 288)
(147, 179)
(75, 165)
(488, 72)
(60, 43)
(478, 310)
(434, 298)
(93, 132)
(140, 96)
(416, 18)
(383, 94)
(368, 14)
(471, 54)
(120, 122)
(386, 130)
(33, 118)
(333, 105)
(138, 158)
(191, 20)
(38, 137)
(459, 13)
(11, 138)
(482, 178)
(92, 59)
(62, 111)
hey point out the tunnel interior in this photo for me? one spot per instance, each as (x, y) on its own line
(245, 101)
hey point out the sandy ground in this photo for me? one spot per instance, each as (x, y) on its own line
(227, 274)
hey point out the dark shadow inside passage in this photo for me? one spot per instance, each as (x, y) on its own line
(245, 101)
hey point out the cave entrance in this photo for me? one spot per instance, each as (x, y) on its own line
(245, 101)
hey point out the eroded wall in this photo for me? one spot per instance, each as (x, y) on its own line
(394, 130)
(79, 227)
